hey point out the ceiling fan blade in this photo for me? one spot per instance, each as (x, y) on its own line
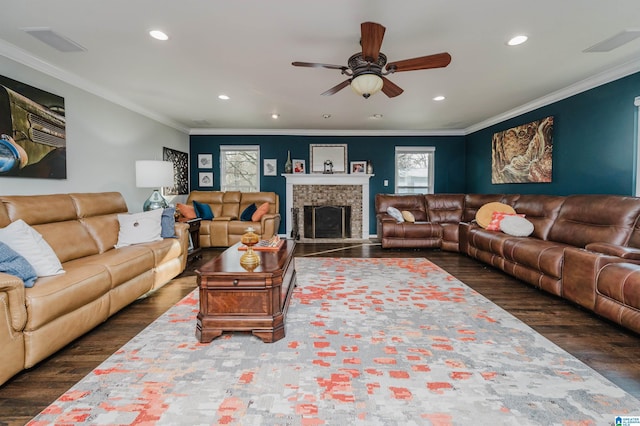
(337, 88)
(439, 60)
(371, 40)
(316, 65)
(390, 89)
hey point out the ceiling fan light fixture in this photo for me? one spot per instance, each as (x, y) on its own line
(366, 85)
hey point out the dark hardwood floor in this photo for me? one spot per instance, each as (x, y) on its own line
(609, 349)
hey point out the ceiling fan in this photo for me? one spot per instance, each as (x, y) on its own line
(367, 69)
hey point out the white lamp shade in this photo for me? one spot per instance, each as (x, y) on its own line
(366, 84)
(154, 174)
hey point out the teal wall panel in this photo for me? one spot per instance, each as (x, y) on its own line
(449, 159)
(594, 144)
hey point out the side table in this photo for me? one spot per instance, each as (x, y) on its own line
(194, 239)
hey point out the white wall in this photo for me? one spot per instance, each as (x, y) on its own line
(103, 142)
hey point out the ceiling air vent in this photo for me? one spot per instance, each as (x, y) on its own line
(614, 42)
(53, 39)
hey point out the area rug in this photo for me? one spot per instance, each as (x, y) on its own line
(368, 342)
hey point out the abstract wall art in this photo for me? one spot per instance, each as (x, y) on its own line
(523, 154)
(180, 162)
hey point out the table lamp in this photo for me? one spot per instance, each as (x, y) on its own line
(154, 174)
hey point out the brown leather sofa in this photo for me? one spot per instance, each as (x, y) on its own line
(584, 248)
(226, 228)
(98, 281)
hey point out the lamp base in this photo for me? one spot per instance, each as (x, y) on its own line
(155, 201)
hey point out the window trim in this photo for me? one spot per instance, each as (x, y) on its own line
(416, 149)
(252, 148)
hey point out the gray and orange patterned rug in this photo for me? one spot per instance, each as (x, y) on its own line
(368, 342)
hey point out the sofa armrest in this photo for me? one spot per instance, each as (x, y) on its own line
(12, 294)
(628, 253)
(269, 223)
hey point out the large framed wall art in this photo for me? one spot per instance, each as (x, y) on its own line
(523, 154)
(327, 158)
(180, 162)
(32, 132)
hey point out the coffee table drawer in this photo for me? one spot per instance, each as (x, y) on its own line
(238, 302)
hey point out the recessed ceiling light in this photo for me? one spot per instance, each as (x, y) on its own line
(377, 116)
(223, 97)
(325, 116)
(158, 35)
(439, 98)
(275, 116)
(519, 39)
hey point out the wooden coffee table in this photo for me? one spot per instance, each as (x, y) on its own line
(234, 299)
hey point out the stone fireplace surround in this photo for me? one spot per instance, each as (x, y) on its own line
(329, 189)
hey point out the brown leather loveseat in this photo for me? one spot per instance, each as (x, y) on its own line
(99, 280)
(584, 248)
(226, 228)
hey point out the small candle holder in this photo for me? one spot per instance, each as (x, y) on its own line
(249, 260)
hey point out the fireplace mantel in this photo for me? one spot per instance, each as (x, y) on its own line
(361, 180)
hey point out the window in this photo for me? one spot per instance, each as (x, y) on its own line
(414, 169)
(240, 168)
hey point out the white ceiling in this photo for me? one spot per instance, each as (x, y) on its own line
(244, 48)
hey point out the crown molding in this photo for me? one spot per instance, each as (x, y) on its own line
(16, 54)
(325, 132)
(574, 89)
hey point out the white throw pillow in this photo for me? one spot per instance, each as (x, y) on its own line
(139, 228)
(28, 243)
(395, 213)
(516, 226)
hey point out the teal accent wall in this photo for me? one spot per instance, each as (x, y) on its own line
(449, 160)
(594, 144)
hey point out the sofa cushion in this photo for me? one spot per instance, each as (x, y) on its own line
(408, 216)
(516, 225)
(27, 242)
(139, 228)
(395, 213)
(14, 264)
(260, 211)
(203, 210)
(247, 213)
(168, 223)
(485, 213)
(186, 211)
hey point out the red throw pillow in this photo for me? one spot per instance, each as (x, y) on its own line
(262, 210)
(186, 211)
(496, 218)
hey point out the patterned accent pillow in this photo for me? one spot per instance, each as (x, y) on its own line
(260, 211)
(408, 216)
(484, 213)
(496, 218)
(516, 226)
(395, 213)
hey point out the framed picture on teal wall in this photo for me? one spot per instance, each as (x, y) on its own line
(523, 154)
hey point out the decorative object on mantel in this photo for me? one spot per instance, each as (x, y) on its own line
(299, 166)
(154, 174)
(250, 259)
(288, 167)
(369, 167)
(328, 167)
(358, 167)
